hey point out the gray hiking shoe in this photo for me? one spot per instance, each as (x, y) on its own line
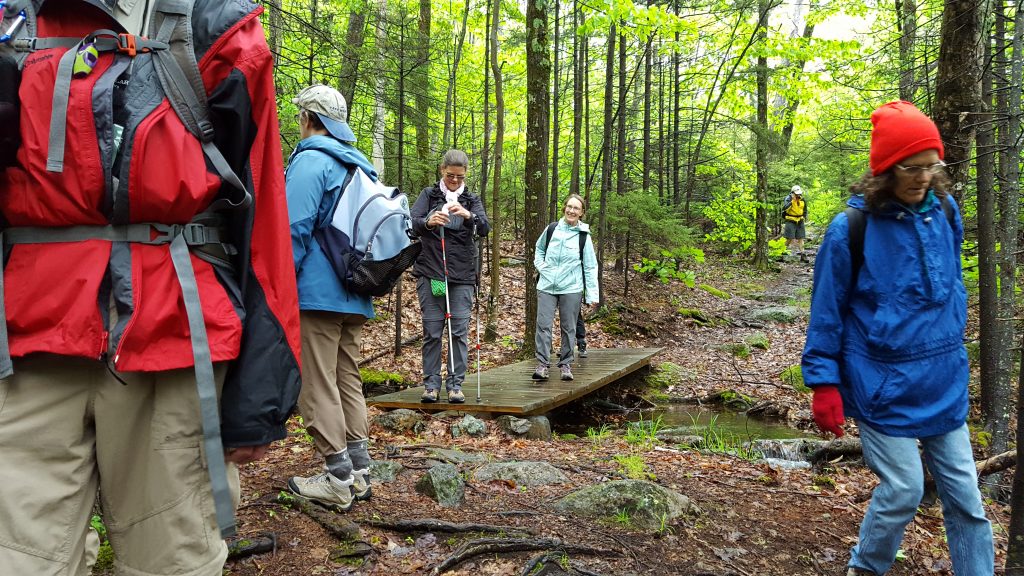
(541, 373)
(566, 372)
(853, 571)
(325, 489)
(429, 396)
(361, 484)
(583, 351)
(456, 396)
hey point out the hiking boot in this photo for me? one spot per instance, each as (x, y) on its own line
(859, 572)
(429, 396)
(541, 373)
(456, 396)
(325, 489)
(583, 351)
(566, 372)
(361, 484)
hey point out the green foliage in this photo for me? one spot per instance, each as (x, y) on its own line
(643, 433)
(795, 378)
(670, 265)
(622, 517)
(758, 340)
(105, 554)
(822, 481)
(719, 441)
(631, 466)
(598, 435)
(737, 349)
(777, 247)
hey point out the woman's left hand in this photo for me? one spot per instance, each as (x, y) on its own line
(458, 210)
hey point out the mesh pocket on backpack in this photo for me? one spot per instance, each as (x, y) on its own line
(378, 277)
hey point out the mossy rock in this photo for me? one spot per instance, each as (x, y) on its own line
(758, 340)
(737, 349)
(795, 378)
(696, 315)
(667, 374)
(732, 400)
(715, 291)
(372, 377)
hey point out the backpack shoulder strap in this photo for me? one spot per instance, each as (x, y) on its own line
(182, 83)
(948, 209)
(856, 224)
(547, 235)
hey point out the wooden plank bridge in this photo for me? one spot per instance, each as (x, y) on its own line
(510, 390)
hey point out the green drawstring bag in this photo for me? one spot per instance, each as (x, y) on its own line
(437, 287)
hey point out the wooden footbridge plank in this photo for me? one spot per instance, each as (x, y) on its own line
(510, 390)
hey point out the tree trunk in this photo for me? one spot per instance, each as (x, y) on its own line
(499, 137)
(906, 21)
(401, 166)
(447, 138)
(421, 118)
(958, 87)
(378, 92)
(353, 57)
(577, 99)
(992, 333)
(645, 167)
(276, 19)
(538, 86)
(760, 217)
(555, 125)
(606, 149)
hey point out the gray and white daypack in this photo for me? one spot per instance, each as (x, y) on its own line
(368, 239)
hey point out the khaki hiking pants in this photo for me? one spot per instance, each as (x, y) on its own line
(331, 399)
(68, 427)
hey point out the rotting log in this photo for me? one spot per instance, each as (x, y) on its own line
(338, 526)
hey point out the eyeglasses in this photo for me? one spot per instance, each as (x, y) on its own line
(571, 208)
(454, 177)
(915, 171)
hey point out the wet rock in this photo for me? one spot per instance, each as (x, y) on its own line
(384, 471)
(540, 428)
(444, 484)
(649, 506)
(470, 426)
(513, 426)
(401, 421)
(798, 449)
(680, 436)
(779, 464)
(522, 473)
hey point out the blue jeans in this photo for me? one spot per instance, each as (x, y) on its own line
(901, 485)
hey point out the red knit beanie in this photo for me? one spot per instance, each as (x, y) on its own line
(900, 130)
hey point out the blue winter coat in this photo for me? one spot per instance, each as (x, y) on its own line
(892, 341)
(316, 170)
(559, 265)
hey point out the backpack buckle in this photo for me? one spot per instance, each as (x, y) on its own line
(126, 43)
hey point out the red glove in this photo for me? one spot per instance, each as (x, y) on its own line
(827, 407)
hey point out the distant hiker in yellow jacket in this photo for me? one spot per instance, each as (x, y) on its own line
(795, 212)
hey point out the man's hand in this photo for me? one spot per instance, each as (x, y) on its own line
(245, 454)
(827, 407)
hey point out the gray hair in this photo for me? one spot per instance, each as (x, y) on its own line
(455, 158)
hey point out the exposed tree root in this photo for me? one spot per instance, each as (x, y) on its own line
(336, 524)
(434, 525)
(472, 548)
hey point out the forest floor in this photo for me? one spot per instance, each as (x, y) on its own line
(752, 519)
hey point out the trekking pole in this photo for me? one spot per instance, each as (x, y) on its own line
(447, 306)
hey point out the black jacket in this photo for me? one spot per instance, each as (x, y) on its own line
(459, 245)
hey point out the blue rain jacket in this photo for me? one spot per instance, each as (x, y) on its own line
(316, 171)
(559, 265)
(892, 339)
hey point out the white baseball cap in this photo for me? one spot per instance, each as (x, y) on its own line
(797, 190)
(329, 105)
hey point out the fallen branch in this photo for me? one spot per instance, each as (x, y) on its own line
(435, 525)
(472, 548)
